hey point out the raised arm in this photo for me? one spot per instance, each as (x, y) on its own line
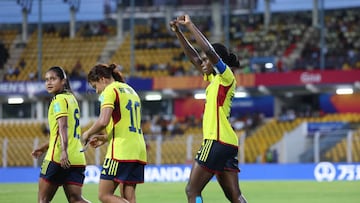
(201, 40)
(188, 49)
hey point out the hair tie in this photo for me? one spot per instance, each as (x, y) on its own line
(64, 74)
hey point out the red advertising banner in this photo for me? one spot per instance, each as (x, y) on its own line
(245, 80)
(267, 79)
(179, 83)
(189, 107)
(196, 82)
(307, 77)
(346, 103)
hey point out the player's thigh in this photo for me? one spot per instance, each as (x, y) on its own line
(107, 187)
(72, 192)
(199, 177)
(229, 182)
(128, 191)
(46, 189)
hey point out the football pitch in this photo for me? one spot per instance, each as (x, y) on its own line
(255, 192)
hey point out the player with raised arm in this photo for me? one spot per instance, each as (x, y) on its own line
(63, 164)
(218, 152)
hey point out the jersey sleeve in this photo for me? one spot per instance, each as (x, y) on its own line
(60, 107)
(107, 98)
(227, 77)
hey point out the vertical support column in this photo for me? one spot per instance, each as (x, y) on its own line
(317, 147)
(4, 152)
(227, 14)
(242, 148)
(39, 110)
(158, 149)
(40, 41)
(85, 111)
(349, 140)
(315, 13)
(35, 145)
(72, 22)
(169, 10)
(132, 38)
(216, 16)
(24, 34)
(189, 143)
(97, 156)
(278, 103)
(1, 111)
(283, 149)
(267, 15)
(119, 21)
(322, 35)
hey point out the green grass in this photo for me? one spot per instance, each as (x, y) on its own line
(255, 192)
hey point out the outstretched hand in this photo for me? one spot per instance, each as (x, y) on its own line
(85, 138)
(37, 153)
(174, 26)
(98, 140)
(184, 20)
(181, 20)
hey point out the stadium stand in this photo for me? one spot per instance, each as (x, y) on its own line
(339, 151)
(157, 55)
(58, 50)
(21, 137)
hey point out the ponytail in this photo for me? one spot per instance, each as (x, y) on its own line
(117, 75)
(228, 57)
(106, 71)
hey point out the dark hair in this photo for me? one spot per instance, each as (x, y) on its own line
(229, 58)
(62, 75)
(106, 71)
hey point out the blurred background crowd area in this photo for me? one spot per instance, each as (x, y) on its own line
(289, 42)
(266, 42)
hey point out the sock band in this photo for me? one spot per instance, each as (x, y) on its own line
(198, 199)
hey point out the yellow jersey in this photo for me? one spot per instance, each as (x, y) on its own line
(65, 104)
(219, 94)
(126, 140)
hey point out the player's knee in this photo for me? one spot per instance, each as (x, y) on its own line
(102, 197)
(44, 200)
(191, 192)
(188, 191)
(75, 198)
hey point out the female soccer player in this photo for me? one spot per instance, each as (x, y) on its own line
(218, 153)
(63, 164)
(120, 117)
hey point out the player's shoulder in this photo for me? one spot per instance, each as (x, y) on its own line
(228, 70)
(64, 98)
(228, 73)
(110, 87)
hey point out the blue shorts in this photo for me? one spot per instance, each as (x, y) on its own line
(123, 172)
(217, 157)
(55, 174)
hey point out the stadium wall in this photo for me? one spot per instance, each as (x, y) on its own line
(323, 171)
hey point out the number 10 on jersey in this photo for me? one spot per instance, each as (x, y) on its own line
(135, 121)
